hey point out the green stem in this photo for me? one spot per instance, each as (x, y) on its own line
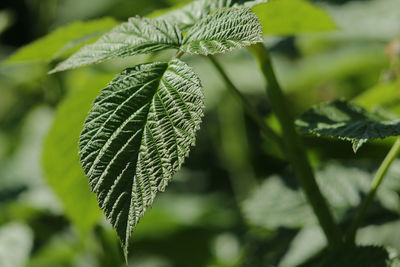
(246, 105)
(179, 54)
(376, 182)
(295, 150)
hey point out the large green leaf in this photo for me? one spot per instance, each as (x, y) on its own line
(223, 31)
(63, 38)
(61, 166)
(137, 36)
(287, 17)
(137, 136)
(188, 15)
(349, 122)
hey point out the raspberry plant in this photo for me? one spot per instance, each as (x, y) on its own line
(142, 126)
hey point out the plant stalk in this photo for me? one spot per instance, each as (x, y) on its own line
(295, 150)
(376, 182)
(246, 105)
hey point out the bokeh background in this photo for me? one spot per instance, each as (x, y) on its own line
(235, 202)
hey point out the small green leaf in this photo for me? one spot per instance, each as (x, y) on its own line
(137, 136)
(137, 36)
(188, 15)
(348, 121)
(288, 17)
(223, 31)
(67, 37)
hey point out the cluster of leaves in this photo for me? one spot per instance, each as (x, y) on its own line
(141, 127)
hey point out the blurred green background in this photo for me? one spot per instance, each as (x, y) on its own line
(235, 202)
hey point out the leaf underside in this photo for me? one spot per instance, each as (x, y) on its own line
(348, 121)
(137, 36)
(137, 136)
(223, 31)
(188, 15)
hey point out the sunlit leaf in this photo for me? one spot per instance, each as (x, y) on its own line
(137, 136)
(223, 31)
(63, 38)
(137, 36)
(349, 122)
(189, 14)
(288, 17)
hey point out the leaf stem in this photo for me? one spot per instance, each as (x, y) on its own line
(376, 182)
(246, 105)
(179, 54)
(295, 150)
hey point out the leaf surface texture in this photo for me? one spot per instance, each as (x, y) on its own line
(348, 121)
(223, 31)
(137, 136)
(137, 36)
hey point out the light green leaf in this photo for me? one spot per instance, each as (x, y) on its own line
(137, 136)
(137, 36)
(274, 205)
(349, 122)
(188, 15)
(288, 17)
(63, 38)
(60, 157)
(380, 94)
(223, 31)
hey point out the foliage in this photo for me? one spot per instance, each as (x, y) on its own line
(350, 122)
(241, 198)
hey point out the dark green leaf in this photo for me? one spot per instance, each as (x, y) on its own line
(349, 122)
(137, 136)
(137, 36)
(223, 31)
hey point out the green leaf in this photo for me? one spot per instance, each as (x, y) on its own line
(188, 15)
(136, 137)
(288, 17)
(274, 205)
(63, 38)
(137, 36)
(348, 121)
(223, 31)
(62, 169)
